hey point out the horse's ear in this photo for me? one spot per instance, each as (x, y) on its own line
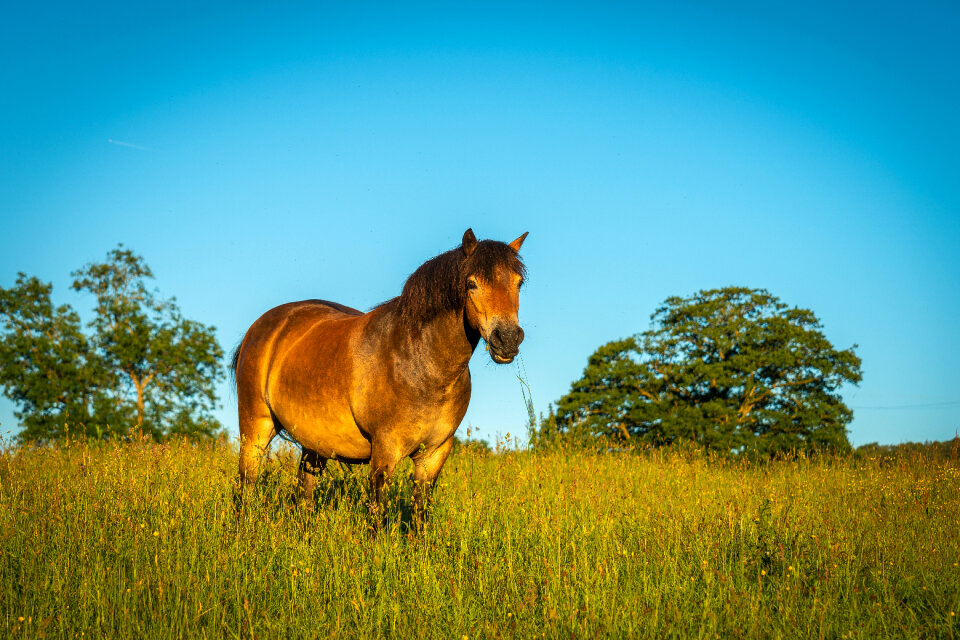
(516, 244)
(469, 241)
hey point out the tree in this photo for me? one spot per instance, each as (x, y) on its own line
(730, 369)
(47, 364)
(143, 366)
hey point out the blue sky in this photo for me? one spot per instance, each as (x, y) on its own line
(256, 155)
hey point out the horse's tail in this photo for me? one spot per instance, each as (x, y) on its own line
(234, 359)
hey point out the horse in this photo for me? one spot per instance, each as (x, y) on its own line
(379, 386)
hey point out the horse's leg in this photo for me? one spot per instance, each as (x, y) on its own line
(311, 466)
(383, 461)
(426, 468)
(255, 436)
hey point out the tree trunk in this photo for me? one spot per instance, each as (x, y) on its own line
(140, 384)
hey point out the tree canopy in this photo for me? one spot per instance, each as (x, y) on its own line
(141, 364)
(730, 369)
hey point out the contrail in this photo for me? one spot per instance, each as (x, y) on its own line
(129, 144)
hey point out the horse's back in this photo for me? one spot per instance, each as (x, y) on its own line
(336, 306)
(309, 307)
(265, 338)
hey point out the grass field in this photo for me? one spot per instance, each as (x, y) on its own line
(139, 540)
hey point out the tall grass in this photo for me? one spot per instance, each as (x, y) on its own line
(139, 540)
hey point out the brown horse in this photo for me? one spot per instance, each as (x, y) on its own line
(378, 386)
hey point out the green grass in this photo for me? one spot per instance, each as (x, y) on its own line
(139, 540)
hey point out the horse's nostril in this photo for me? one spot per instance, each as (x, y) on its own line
(506, 338)
(513, 335)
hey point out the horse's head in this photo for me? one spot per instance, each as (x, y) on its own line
(494, 274)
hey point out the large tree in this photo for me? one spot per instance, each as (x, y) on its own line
(731, 369)
(143, 365)
(48, 366)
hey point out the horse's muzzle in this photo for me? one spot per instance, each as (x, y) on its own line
(504, 342)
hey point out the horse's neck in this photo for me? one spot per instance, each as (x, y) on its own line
(440, 348)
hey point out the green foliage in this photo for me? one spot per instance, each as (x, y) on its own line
(48, 367)
(142, 366)
(138, 540)
(732, 369)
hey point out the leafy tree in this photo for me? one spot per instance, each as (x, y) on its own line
(143, 365)
(731, 369)
(47, 365)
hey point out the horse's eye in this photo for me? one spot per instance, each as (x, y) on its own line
(471, 285)
(520, 283)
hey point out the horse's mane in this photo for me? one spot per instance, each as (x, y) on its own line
(440, 284)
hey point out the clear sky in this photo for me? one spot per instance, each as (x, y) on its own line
(257, 154)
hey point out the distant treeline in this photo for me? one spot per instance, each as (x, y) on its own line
(941, 451)
(936, 451)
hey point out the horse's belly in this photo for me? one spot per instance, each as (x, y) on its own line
(338, 441)
(329, 434)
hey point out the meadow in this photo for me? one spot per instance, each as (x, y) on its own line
(139, 540)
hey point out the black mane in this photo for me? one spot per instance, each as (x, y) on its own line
(440, 284)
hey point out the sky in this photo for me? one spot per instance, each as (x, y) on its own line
(256, 154)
